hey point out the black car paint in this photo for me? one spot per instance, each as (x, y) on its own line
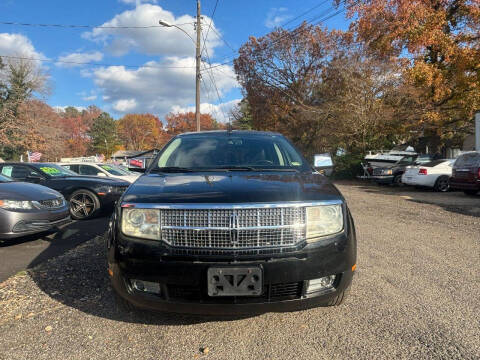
(66, 185)
(150, 260)
(466, 177)
(231, 187)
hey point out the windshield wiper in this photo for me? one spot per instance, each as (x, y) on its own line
(239, 168)
(170, 169)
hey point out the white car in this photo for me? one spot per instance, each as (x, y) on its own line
(101, 169)
(434, 174)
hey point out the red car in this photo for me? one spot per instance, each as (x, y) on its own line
(466, 173)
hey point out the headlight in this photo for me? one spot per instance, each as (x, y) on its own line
(324, 220)
(14, 204)
(142, 223)
(387, 172)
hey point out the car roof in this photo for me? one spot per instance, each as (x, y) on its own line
(233, 132)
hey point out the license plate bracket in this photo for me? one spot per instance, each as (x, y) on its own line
(235, 281)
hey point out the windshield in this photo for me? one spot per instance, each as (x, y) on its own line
(114, 170)
(219, 151)
(55, 170)
(468, 160)
(4, 178)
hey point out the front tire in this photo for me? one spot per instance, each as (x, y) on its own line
(442, 184)
(84, 204)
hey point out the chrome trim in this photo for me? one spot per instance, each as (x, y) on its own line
(200, 228)
(214, 206)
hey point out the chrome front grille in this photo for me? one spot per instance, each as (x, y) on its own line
(51, 203)
(233, 228)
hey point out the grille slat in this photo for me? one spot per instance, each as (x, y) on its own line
(233, 228)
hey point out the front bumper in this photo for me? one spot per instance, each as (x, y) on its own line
(15, 224)
(182, 275)
(383, 179)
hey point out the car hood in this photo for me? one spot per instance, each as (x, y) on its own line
(231, 188)
(22, 191)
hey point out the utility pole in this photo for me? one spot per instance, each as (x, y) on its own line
(198, 61)
(477, 130)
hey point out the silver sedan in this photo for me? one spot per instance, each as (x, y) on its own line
(29, 208)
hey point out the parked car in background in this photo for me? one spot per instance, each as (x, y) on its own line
(466, 173)
(392, 173)
(29, 208)
(231, 222)
(434, 174)
(101, 169)
(88, 195)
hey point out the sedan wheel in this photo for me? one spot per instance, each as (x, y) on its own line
(83, 204)
(442, 184)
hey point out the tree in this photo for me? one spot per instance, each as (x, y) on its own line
(140, 131)
(50, 138)
(20, 81)
(242, 117)
(103, 134)
(177, 123)
(440, 43)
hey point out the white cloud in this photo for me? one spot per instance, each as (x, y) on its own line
(89, 98)
(18, 45)
(158, 86)
(60, 109)
(168, 41)
(138, 2)
(125, 105)
(220, 112)
(276, 16)
(77, 58)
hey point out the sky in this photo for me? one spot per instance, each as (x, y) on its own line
(149, 69)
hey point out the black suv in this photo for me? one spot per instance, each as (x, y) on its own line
(88, 195)
(466, 173)
(231, 222)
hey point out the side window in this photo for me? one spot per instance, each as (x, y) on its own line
(88, 170)
(7, 170)
(20, 172)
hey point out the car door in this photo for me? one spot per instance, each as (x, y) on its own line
(23, 173)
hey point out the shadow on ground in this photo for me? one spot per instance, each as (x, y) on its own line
(453, 201)
(79, 280)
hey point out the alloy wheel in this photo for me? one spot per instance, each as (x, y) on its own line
(443, 185)
(82, 205)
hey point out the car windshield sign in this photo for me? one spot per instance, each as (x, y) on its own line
(55, 171)
(233, 152)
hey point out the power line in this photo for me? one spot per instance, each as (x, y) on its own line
(224, 41)
(293, 32)
(71, 26)
(212, 78)
(96, 64)
(305, 13)
(209, 26)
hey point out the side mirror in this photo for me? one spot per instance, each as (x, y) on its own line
(323, 163)
(101, 174)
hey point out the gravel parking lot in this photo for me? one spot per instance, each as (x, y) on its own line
(416, 295)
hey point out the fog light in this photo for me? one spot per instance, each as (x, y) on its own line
(320, 284)
(146, 286)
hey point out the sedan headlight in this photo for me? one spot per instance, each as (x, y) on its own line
(16, 205)
(142, 223)
(387, 172)
(324, 220)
